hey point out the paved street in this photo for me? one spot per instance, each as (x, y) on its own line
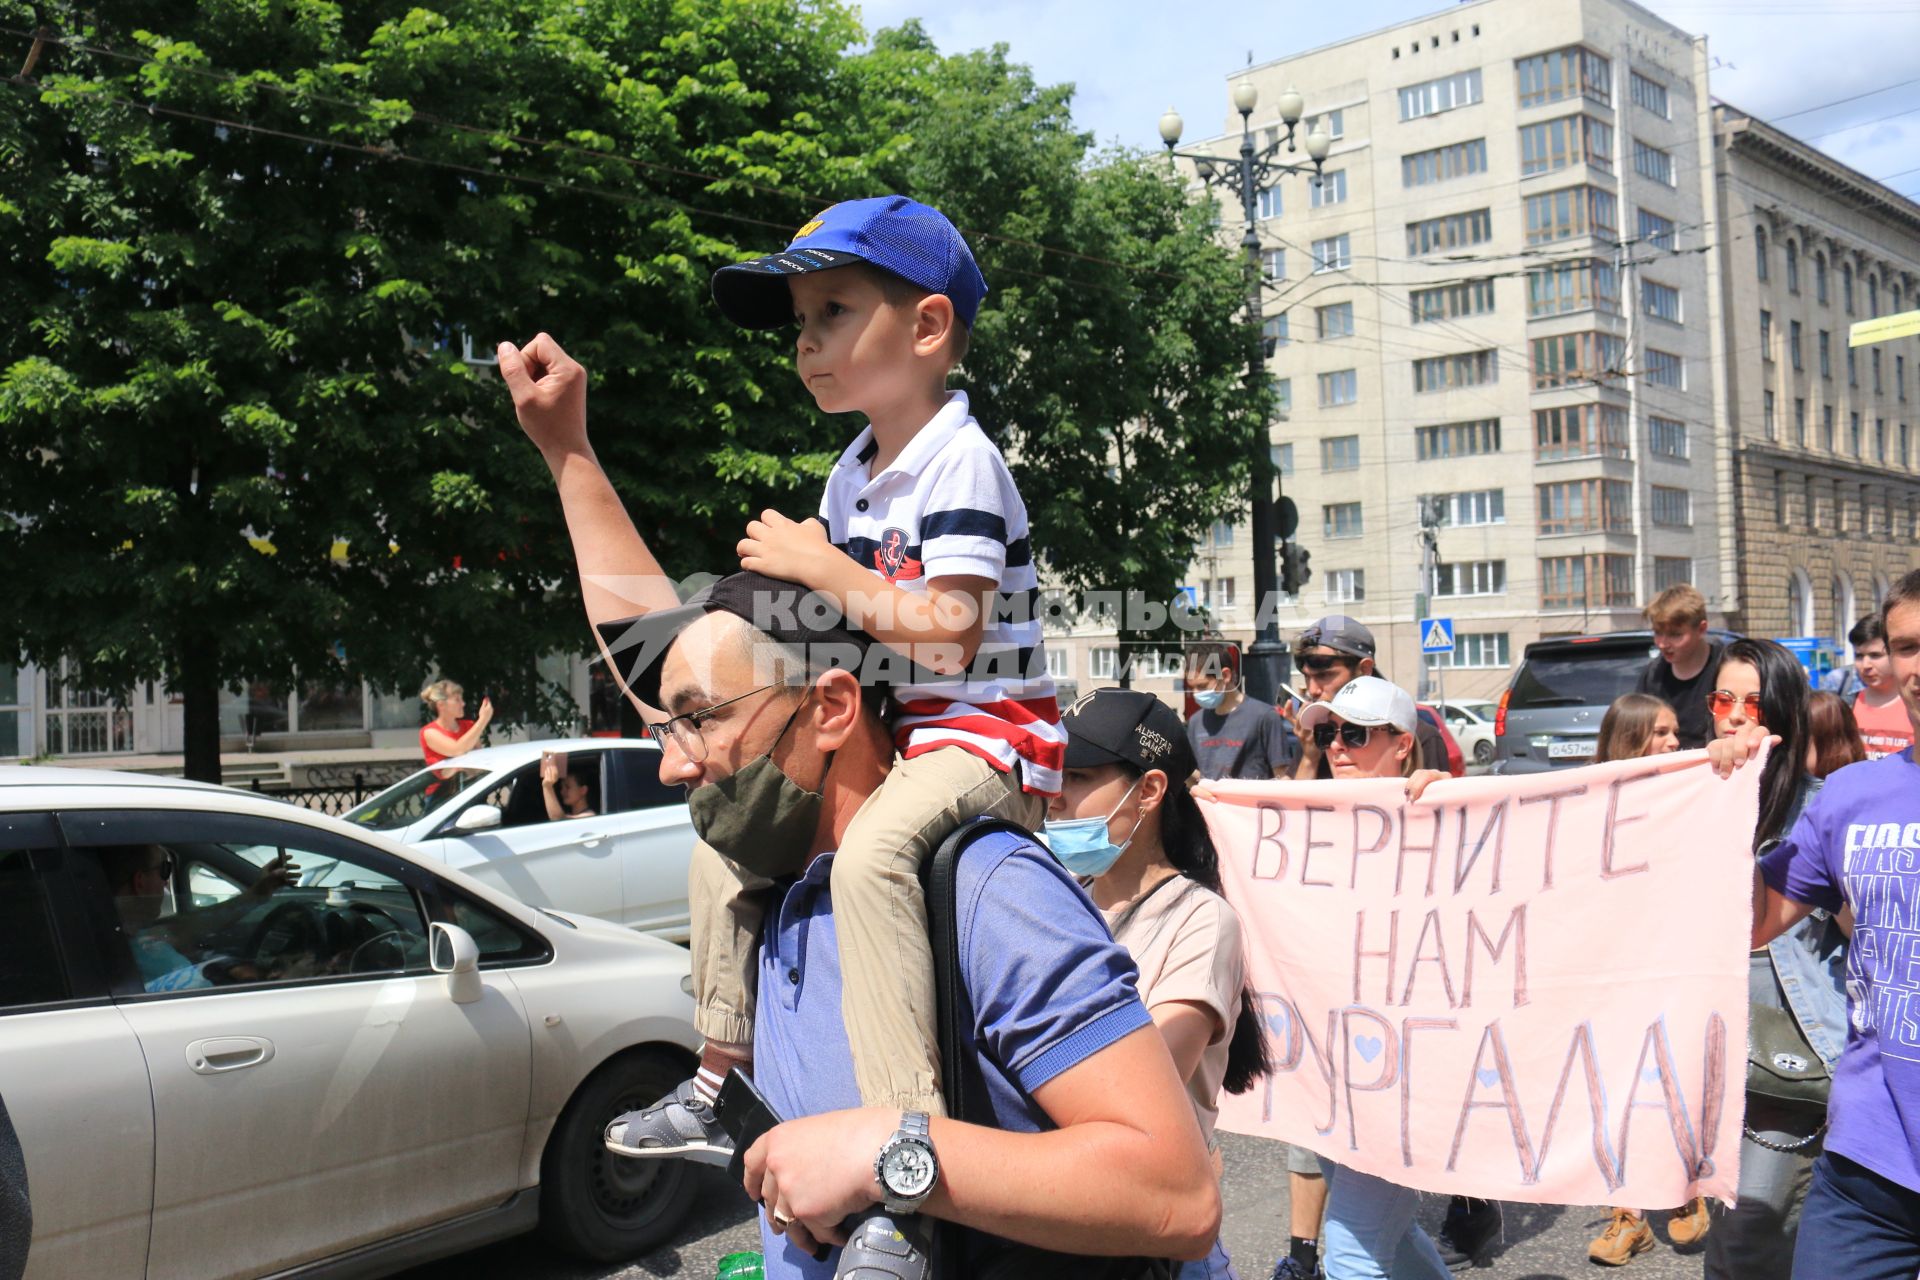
(1542, 1242)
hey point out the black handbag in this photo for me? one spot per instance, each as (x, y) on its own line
(962, 1251)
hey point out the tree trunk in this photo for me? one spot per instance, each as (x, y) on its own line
(199, 689)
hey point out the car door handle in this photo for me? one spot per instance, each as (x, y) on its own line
(228, 1053)
(593, 837)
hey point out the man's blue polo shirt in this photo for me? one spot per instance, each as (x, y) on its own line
(1049, 987)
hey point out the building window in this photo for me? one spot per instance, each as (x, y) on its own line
(1341, 520)
(1873, 296)
(1282, 389)
(1281, 455)
(1330, 189)
(1672, 508)
(1793, 345)
(1476, 507)
(1846, 286)
(1651, 162)
(1103, 663)
(1779, 500)
(1266, 203)
(1468, 298)
(1766, 335)
(1672, 571)
(1585, 506)
(1443, 164)
(1346, 586)
(1444, 94)
(1446, 373)
(1332, 254)
(1476, 650)
(1059, 662)
(1340, 453)
(1273, 264)
(1800, 421)
(1793, 267)
(1586, 582)
(84, 721)
(1878, 387)
(1273, 334)
(1853, 369)
(1820, 278)
(1906, 440)
(1900, 377)
(1579, 431)
(1854, 434)
(1457, 439)
(1824, 341)
(1570, 212)
(1880, 441)
(1826, 428)
(1562, 74)
(1760, 252)
(1667, 437)
(1471, 578)
(1664, 369)
(1573, 358)
(1649, 95)
(1554, 144)
(1656, 230)
(1218, 594)
(1335, 321)
(1589, 284)
(16, 721)
(1661, 301)
(1341, 387)
(1222, 533)
(1452, 231)
(1335, 122)
(1769, 424)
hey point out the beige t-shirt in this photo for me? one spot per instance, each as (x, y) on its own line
(1186, 941)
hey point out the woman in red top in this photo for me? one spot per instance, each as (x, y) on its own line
(450, 733)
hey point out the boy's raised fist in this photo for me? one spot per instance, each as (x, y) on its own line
(549, 391)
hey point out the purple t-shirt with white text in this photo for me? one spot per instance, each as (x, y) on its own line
(1858, 845)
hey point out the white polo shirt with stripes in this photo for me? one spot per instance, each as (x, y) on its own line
(947, 507)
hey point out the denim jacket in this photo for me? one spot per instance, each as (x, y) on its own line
(1810, 960)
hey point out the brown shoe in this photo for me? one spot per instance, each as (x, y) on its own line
(1689, 1223)
(1626, 1236)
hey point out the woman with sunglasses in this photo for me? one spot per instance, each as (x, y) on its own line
(1802, 971)
(1366, 730)
(1125, 822)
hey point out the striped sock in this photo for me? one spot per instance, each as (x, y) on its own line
(707, 1085)
(715, 1061)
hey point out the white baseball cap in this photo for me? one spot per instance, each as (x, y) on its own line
(1366, 700)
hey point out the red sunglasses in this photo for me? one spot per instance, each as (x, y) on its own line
(1721, 701)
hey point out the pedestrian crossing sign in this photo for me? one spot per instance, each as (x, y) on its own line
(1436, 635)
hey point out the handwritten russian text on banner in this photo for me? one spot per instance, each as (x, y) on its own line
(1529, 988)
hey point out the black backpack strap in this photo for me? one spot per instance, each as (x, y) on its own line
(940, 876)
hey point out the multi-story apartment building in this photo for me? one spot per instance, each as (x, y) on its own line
(1496, 297)
(1821, 470)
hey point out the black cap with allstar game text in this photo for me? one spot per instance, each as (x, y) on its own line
(1129, 727)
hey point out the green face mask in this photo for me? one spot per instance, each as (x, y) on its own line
(758, 816)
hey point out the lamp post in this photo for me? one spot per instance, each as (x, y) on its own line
(1256, 170)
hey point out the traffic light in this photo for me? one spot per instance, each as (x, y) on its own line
(1293, 568)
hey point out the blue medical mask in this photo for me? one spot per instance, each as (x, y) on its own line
(1208, 699)
(1082, 845)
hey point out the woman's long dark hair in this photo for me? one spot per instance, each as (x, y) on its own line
(1188, 845)
(1783, 709)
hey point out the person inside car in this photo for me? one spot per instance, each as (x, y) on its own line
(165, 940)
(569, 794)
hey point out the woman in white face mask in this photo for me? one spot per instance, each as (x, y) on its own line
(1125, 823)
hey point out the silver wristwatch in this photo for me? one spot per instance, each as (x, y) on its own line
(906, 1167)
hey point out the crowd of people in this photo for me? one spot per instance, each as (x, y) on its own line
(1097, 975)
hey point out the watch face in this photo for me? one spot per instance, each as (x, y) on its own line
(908, 1170)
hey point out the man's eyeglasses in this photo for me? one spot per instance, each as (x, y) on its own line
(685, 730)
(1721, 701)
(1355, 736)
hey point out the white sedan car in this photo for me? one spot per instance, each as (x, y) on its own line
(485, 813)
(1472, 724)
(240, 1039)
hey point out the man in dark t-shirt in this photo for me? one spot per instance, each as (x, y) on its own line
(1232, 735)
(1682, 673)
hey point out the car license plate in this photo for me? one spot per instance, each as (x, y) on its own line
(1579, 750)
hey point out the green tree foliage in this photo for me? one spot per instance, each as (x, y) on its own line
(247, 244)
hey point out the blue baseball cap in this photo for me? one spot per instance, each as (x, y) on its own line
(912, 240)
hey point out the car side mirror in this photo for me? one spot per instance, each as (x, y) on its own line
(478, 817)
(452, 951)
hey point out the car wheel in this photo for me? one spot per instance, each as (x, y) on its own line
(604, 1207)
(1482, 751)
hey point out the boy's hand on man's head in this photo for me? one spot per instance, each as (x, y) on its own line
(791, 550)
(549, 391)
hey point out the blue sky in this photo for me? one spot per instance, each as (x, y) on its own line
(1130, 59)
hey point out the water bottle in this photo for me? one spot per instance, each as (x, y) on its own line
(741, 1266)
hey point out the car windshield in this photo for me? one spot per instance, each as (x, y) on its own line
(1577, 677)
(405, 803)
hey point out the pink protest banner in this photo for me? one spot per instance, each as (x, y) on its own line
(1529, 988)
